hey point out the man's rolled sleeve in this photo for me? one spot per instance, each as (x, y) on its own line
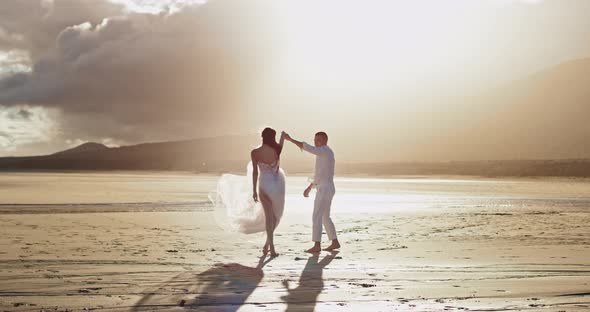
(312, 149)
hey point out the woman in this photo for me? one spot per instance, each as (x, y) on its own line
(255, 204)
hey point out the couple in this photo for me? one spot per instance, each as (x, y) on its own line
(256, 205)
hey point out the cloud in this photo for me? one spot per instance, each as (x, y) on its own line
(137, 76)
(21, 125)
(128, 71)
(33, 25)
(14, 61)
(23, 114)
(155, 6)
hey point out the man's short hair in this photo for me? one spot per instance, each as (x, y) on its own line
(323, 134)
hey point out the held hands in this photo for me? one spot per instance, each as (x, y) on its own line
(286, 136)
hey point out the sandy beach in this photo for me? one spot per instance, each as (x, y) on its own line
(492, 255)
(448, 141)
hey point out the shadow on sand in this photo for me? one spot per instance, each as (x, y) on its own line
(223, 287)
(311, 283)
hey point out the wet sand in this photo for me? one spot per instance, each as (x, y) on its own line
(419, 261)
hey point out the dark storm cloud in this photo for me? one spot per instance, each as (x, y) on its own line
(22, 114)
(137, 76)
(33, 25)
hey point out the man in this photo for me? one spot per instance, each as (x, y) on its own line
(323, 181)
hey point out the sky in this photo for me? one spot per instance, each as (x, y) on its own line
(124, 72)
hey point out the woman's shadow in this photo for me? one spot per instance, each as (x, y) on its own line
(223, 286)
(311, 284)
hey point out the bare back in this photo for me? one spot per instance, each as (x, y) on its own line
(265, 154)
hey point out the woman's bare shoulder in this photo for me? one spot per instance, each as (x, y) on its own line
(256, 151)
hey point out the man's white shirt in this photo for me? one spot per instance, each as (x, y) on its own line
(324, 164)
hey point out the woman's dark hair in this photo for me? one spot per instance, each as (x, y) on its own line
(268, 138)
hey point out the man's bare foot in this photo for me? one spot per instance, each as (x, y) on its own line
(335, 245)
(273, 254)
(314, 249)
(265, 249)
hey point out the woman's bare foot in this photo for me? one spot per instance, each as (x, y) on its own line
(335, 245)
(265, 249)
(273, 253)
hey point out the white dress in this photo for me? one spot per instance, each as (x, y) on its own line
(235, 209)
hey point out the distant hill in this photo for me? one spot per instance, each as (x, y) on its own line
(544, 116)
(200, 155)
(541, 116)
(231, 154)
(539, 124)
(491, 168)
(83, 148)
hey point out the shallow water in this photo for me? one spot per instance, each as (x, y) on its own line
(153, 191)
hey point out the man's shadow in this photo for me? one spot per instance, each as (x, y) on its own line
(223, 286)
(311, 284)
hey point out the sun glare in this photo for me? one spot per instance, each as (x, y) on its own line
(378, 44)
